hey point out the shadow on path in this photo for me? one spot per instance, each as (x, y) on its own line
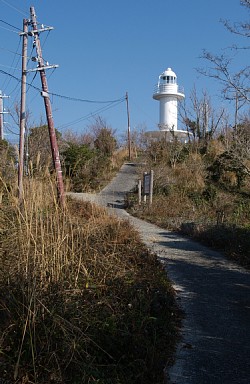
(213, 292)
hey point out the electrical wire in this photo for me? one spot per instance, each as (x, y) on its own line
(16, 53)
(86, 100)
(30, 85)
(111, 103)
(13, 133)
(67, 97)
(10, 25)
(46, 37)
(141, 110)
(91, 114)
(13, 61)
(8, 66)
(13, 7)
(7, 29)
(19, 80)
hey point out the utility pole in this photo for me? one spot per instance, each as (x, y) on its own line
(22, 110)
(45, 94)
(2, 114)
(129, 138)
(236, 111)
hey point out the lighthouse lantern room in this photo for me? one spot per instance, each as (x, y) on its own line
(168, 93)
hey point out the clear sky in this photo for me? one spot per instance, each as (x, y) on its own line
(107, 48)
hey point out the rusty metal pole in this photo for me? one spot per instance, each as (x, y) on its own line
(47, 103)
(129, 138)
(22, 110)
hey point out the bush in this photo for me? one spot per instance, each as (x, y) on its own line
(232, 240)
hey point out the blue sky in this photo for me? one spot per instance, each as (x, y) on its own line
(107, 48)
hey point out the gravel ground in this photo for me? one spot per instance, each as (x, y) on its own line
(213, 292)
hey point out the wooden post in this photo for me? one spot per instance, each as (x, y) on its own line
(151, 187)
(22, 110)
(129, 137)
(145, 187)
(139, 192)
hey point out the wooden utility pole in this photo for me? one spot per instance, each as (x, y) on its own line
(1, 115)
(129, 138)
(236, 111)
(22, 109)
(45, 94)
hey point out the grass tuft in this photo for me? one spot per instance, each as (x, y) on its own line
(81, 299)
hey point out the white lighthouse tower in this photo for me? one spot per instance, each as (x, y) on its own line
(168, 93)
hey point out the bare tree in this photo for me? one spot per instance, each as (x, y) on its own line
(235, 85)
(201, 119)
(239, 28)
(103, 136)
(241, 141)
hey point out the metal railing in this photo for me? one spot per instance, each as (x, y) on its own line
(168, 88)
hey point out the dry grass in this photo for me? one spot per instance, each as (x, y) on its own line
(81, 299)
(186, 200)
(220, 221)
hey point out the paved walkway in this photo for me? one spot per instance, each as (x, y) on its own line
(213, 292)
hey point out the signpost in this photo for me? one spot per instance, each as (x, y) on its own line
(146, 183)
(148, 179)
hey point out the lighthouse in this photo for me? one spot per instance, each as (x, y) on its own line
(167, 92)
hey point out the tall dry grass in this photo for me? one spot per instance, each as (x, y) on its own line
(78, 300)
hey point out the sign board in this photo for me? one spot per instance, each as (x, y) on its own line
(146, 184)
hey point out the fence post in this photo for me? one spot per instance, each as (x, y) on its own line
(151, 186)
(139, 191)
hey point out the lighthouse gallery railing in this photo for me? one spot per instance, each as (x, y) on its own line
(168, 88)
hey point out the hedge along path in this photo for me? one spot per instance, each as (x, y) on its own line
(214, 294)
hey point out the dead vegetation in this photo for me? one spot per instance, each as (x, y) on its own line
(81, 299)
(204, 192)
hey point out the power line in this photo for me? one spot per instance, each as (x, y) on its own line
(111, 103)
(14, 133)
(91, 114)
(47, 35)
(86, 100)
(10, 25)
(15, 8)
(31, 84)
(7, 29)
(15, 53)
(13, 61)
(67, 97)
(8, 66)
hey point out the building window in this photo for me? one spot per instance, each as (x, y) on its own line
(169, 79)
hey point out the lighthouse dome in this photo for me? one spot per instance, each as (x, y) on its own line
(169, 72)
(168, 76)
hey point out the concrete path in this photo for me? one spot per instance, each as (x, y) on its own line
(213, 292)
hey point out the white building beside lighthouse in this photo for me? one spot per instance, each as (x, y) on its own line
(168, 93)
